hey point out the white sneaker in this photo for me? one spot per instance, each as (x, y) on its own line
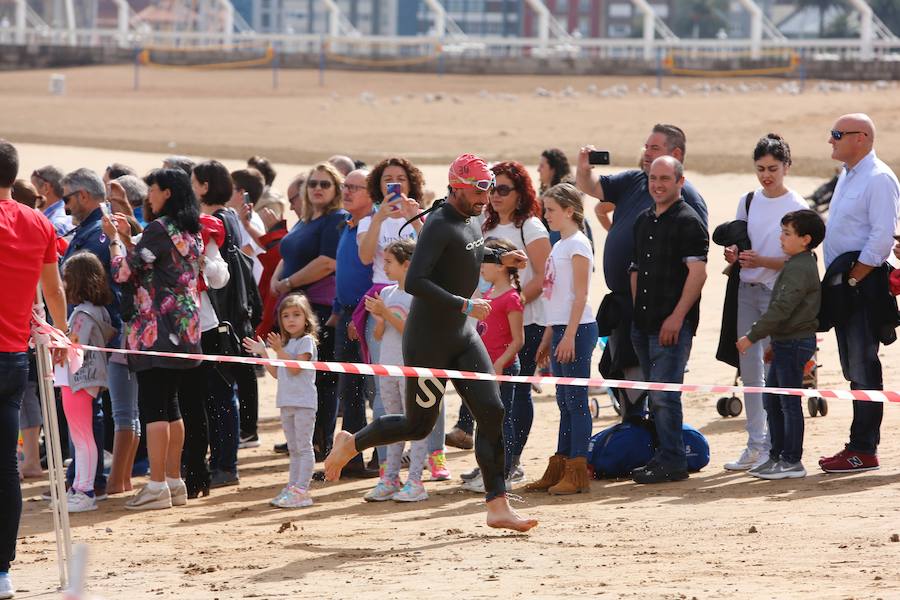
(178, 493)
(474, 485)
(748, 460)
(384, 490)
(147, 499)
(276, 501)
(80, 502)
(517, 475)
(413, 491)
(296, 497)
(6, 587)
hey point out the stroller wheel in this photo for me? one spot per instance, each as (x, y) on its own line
(812, 404)
(720, 407)
(823, 406)
(735, 406)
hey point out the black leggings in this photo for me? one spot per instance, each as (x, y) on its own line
(423, 402)
(158, 394)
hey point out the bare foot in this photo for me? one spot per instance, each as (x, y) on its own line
(32, 472)
(343, 449)
(502, 516)
(112, 490)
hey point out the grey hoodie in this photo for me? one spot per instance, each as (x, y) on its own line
(94, 328)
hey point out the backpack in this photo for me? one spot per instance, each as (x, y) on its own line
(239, 302)
(617, 450)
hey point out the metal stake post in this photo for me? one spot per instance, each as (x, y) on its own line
(55, 470)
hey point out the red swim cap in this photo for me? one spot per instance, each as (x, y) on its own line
(470, 172)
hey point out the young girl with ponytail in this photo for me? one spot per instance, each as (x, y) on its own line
(503, 333)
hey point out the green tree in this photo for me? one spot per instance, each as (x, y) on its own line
(699, 18)
(889, 12)
(824, 6)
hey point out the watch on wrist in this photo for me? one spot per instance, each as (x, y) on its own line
(852, 281)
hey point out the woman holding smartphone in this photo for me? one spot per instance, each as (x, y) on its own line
(395, 185)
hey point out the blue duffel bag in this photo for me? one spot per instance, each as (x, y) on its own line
(696, 448)
(617, 450)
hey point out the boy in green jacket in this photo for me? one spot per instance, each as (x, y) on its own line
(791, 323)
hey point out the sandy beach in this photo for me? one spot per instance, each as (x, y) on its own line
(716, 535)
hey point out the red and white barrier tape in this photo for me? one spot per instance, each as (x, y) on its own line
(59, 340)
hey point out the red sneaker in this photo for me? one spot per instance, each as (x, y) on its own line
(839, 455)
(849, 461)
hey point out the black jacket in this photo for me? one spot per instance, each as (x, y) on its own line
(872, 294)
(732, 233)
(614, 315)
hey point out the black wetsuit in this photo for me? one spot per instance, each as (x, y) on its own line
(444, 273)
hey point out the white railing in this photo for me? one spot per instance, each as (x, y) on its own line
(489, 46)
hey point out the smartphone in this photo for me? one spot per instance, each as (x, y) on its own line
(598, 157)
(106, 209)
(393, 189)
(247, 198)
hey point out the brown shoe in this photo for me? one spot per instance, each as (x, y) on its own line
(458, 438)
(551, 476)
(575, 480)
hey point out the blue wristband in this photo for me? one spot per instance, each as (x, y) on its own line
(470, 306)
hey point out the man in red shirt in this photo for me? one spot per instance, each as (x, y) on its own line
(27, 255)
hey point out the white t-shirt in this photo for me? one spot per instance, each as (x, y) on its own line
(559, 289)
(398, 302)
(247, 240)
(764, 229)
(531, 230)
(298, 390)
(387, 235)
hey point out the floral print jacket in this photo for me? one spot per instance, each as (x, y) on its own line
(163, 269)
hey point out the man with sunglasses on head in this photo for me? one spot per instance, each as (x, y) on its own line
(442, 277)
(48, 182)
(855, 296)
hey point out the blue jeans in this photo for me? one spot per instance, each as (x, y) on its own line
(858, 350)
(665, 364)
(785, 413)
(510, 429)
(374, 358)
(574, 415)
(13, 378)
(123, 394)
(352, 389)
(523, 404)
(99, 431)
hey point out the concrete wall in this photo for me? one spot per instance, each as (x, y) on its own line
(41, 57)
(35, 57)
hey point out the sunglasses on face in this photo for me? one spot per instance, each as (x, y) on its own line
(503, 190)
(316, 183)
(349, 187)
(836, 135)
(65, 198)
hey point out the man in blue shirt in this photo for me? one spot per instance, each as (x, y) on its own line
(83, 194)
(862, 218)
(353, 279)
(629, 192)
(47, 181)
